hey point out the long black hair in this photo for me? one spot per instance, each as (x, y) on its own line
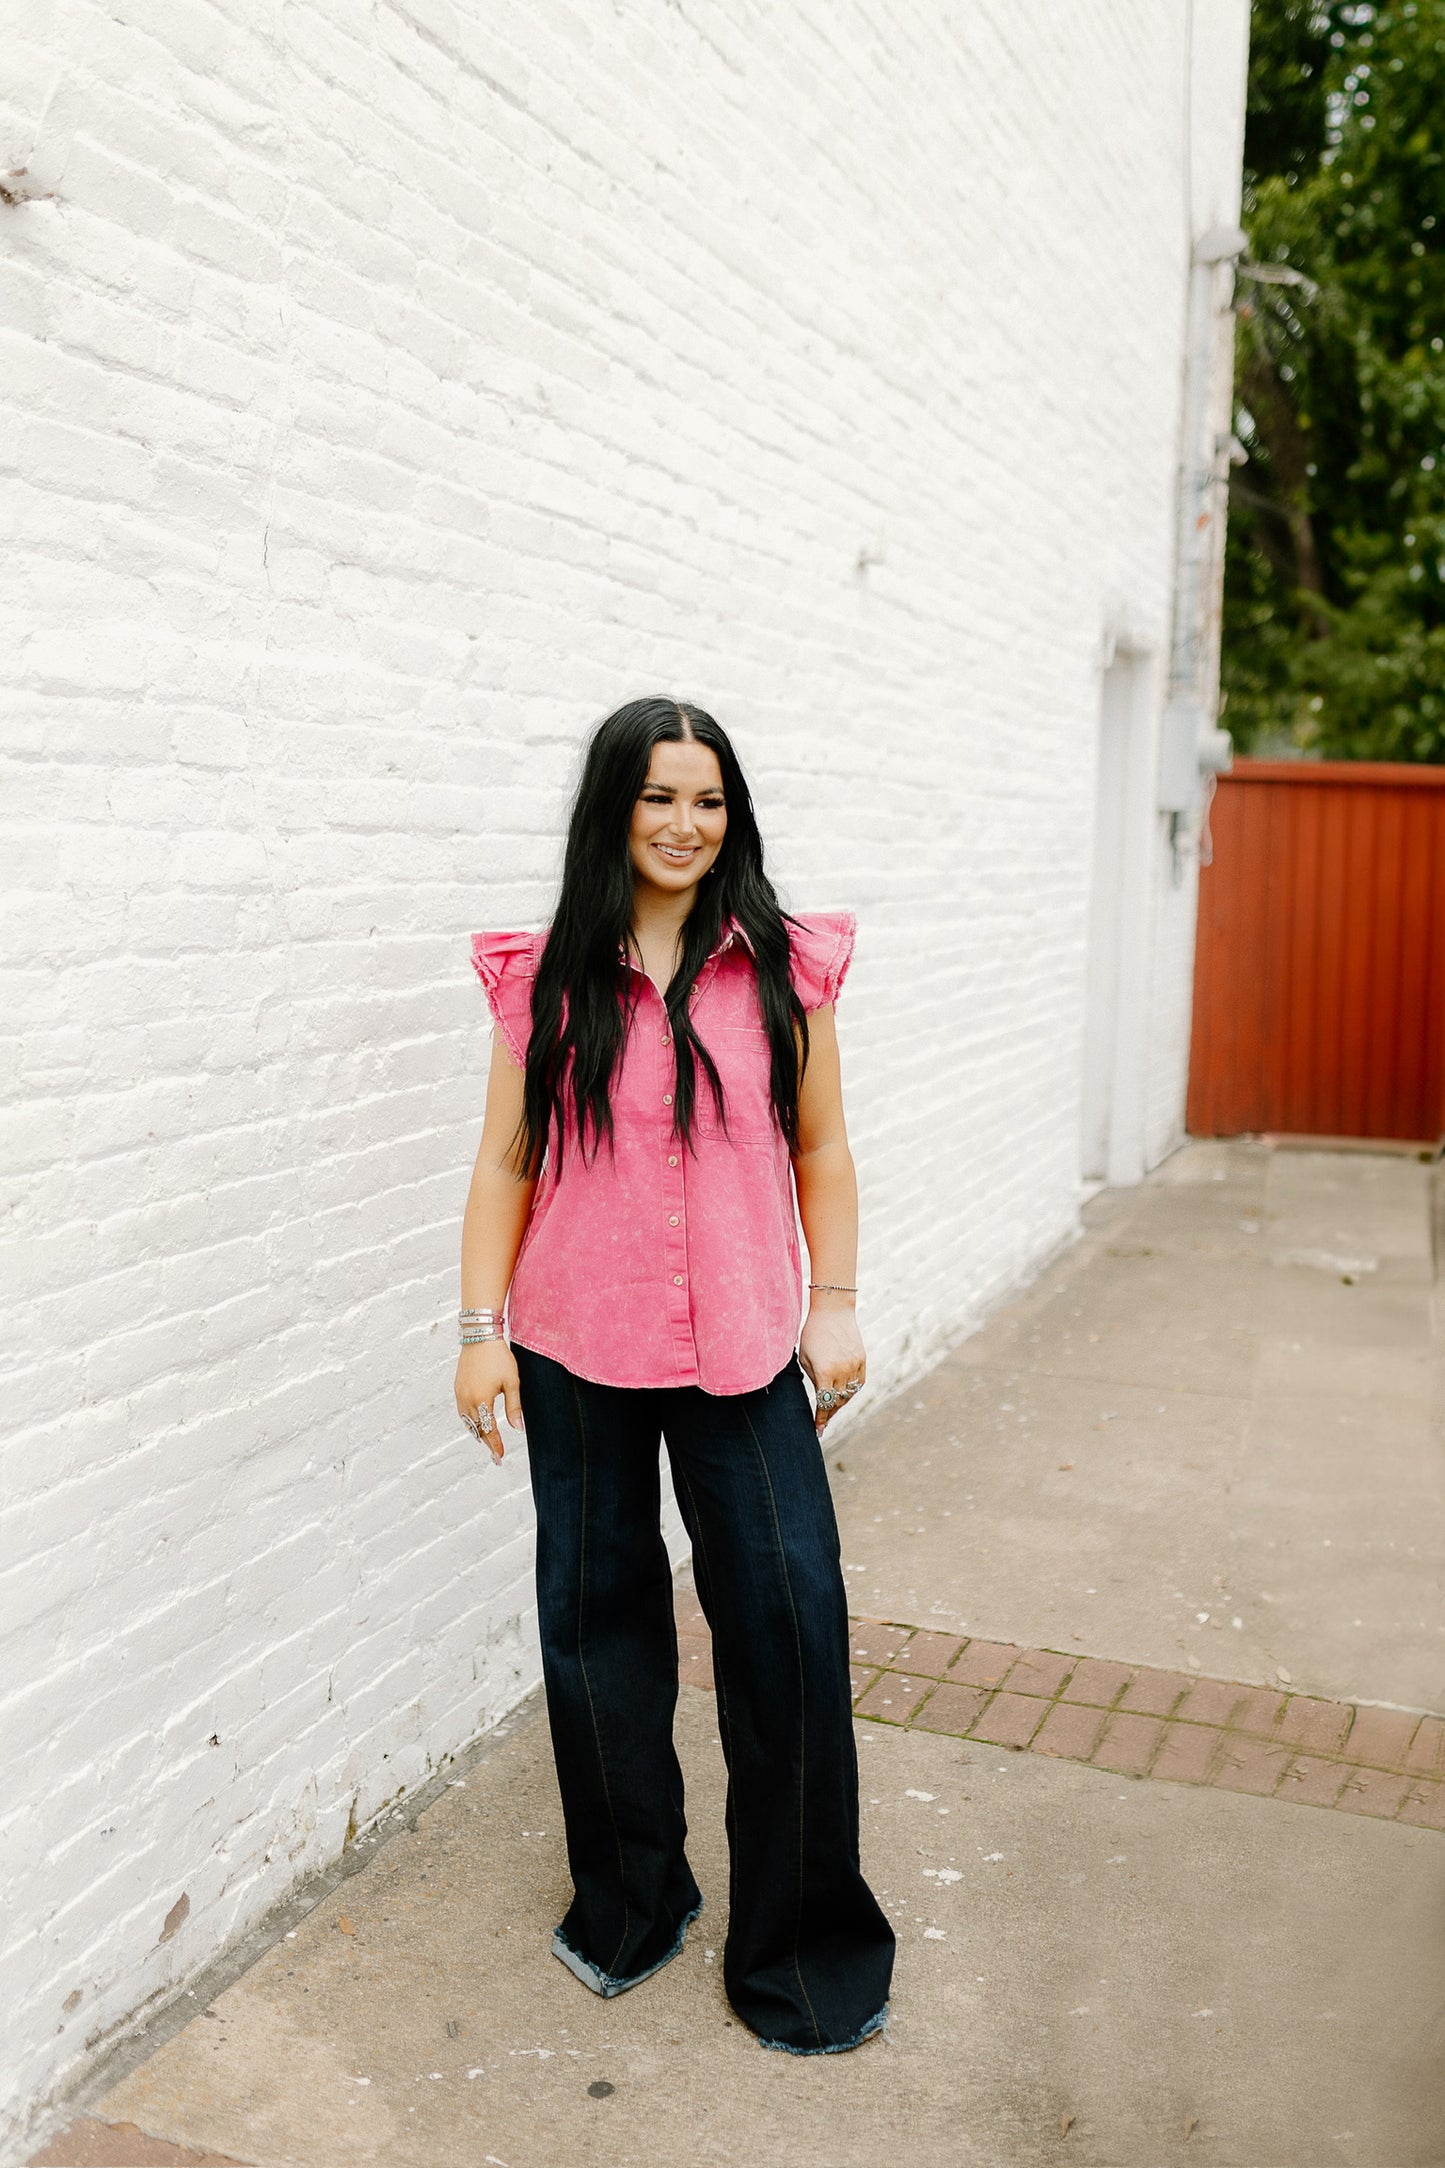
(585, 992)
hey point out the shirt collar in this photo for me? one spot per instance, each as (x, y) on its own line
(732, 932)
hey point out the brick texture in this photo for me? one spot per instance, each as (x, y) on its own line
(1212, 1701)
(1426, 1756)
(1069, 1730)
(1128, 1744)
(1381, 1737)
(1248, 1765)
(1137, 1721)
(1424, 1804)
(1374, 1791)
(952, 1708)
(890, 1698)
(1009, 1720)
(930, 1654)
(1319, 1726)
(388, 392)
(1186, 1753)
(1155, 1693)
(872, 1643)
(985, 1663)
(1097, 1683)
(1039, 1672)
(1313, 1783)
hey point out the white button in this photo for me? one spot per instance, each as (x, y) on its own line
(667, 1099)
(672, 1219)
(667, 1038)
(677, 1279)
(672, 1159)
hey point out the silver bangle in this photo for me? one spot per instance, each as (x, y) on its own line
(475, 1326)
(830, 1287)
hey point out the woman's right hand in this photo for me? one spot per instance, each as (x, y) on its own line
(487, 1373)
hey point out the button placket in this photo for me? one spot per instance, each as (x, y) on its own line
(674, 1236)
(675, 1276)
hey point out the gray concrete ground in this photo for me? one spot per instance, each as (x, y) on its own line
(1225, 1399)
(1239, 1366)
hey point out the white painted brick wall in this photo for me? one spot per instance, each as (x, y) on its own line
(389, 390)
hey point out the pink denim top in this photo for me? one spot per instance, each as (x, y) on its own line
(656, 1264)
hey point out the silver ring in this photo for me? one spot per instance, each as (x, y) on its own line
(827, 1398)
(854, 1385)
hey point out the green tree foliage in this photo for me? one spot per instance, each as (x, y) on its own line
(1334, 615)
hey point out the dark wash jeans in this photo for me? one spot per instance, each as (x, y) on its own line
(809, 1954)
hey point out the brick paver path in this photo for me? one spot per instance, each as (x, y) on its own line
(1136, 1721)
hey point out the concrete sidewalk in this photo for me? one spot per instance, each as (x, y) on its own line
(1204, 1447)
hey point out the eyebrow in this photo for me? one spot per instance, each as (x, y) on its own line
(709, 790)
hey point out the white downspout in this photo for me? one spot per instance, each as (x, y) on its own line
(1191, 743)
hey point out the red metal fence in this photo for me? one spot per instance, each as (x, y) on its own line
(1319, 978)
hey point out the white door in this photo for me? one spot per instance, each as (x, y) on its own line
(1118, 936)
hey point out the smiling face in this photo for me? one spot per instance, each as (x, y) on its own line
(680, 818)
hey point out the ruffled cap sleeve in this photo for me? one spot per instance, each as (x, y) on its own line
(506, 964)
(822, 945)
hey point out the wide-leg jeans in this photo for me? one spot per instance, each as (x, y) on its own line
(809, 1953)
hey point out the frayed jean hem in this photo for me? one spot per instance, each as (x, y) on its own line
(605, 1983)
(875, 2024)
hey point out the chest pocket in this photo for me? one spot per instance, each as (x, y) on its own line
(744, 1059)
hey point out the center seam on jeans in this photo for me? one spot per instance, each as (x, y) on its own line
(587, 1683)
(802, 1717)
(680, 1474)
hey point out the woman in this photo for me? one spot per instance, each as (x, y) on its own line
(665, 1072)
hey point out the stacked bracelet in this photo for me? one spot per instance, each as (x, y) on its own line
(477, 1325)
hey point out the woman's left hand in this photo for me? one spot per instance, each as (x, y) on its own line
(831, 1351)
